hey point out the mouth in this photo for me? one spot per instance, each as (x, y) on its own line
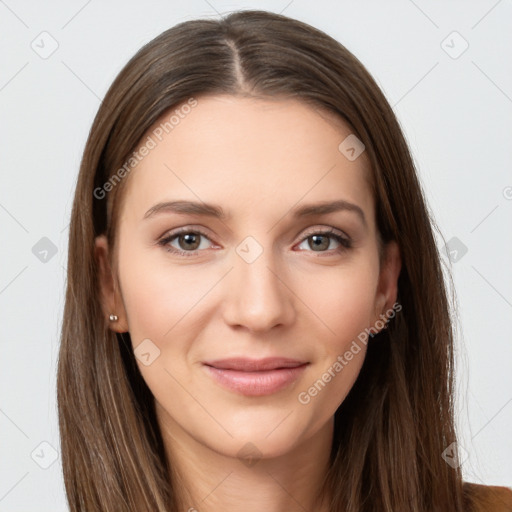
(255, 377)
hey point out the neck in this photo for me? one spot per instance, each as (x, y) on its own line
(205, 480)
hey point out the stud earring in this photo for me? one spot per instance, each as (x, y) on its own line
(113, 318)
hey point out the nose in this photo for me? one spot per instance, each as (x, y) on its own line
(258, 296)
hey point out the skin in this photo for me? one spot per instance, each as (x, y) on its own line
(258, 159)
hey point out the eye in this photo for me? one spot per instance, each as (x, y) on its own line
(188, 241)
(319, 241)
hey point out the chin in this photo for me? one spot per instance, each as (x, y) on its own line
(250, 448)
(267, 435)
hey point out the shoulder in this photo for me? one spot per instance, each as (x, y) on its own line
(488, 498)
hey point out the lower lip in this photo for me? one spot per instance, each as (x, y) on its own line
(256, 383)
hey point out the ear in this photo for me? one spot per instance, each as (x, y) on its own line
(387, 290)
(111, 300)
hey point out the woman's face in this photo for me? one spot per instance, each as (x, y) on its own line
(262, 281)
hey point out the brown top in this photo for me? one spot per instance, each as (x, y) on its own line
(488, 498)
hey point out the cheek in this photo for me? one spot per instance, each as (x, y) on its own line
(343, 300)
(345, 305)
(162, 303)
(158, 297)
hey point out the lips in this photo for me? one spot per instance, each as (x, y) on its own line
(255, 377)
(254, 365)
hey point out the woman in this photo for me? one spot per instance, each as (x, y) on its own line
(255, 314)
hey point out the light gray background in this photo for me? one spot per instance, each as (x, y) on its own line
(455, 108)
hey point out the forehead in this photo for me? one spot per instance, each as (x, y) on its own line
(250, 155)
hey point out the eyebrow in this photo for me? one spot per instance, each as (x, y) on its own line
(215, 211)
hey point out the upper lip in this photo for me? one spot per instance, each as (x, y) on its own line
(255, 365)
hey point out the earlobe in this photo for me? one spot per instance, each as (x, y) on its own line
(111, 301)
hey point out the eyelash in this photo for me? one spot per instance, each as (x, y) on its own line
(345, 243)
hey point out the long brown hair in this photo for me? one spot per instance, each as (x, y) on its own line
(392, 428)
